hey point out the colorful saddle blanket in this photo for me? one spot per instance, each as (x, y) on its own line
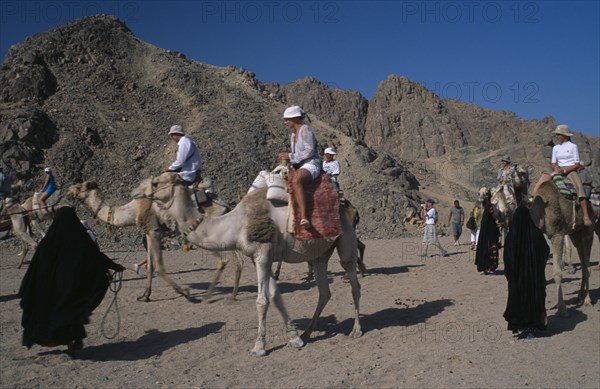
(565, 187)
(322, 207)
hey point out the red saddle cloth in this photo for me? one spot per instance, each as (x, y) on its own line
(322, 208)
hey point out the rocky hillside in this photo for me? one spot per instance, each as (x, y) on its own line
(93, 101)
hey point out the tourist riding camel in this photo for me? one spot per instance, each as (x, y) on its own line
(304, 156)
(188, 162)
(566, 162)
(47, 189)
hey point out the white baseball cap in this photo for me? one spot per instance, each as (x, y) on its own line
(48, 170)
(293, 112)
(329, 150)
(176, 129)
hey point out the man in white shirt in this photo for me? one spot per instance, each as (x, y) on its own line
(188, 162)
(331, 166)
(429, 213)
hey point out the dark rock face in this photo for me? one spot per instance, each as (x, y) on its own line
(345, 111)
(31, 81)
(92, 101)
(410, 121)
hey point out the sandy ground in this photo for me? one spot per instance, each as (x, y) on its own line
(427, 323)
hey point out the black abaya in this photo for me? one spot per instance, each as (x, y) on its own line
(486, 256)
(525, 256)
(66, 280)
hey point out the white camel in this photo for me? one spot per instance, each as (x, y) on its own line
(258, 228)
(144, 214)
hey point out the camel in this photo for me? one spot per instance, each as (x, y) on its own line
(258, 228)
(554, 215)
(142, 213)
(504, 207)
(20, 222)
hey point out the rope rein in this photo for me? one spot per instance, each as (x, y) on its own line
(116, 283)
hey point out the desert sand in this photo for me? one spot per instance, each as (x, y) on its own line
(433, 322)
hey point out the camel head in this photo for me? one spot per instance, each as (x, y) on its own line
(483, 193)
(498, 200)
(537, 211)
(81, 191)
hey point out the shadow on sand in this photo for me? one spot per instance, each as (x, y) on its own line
(152, 344)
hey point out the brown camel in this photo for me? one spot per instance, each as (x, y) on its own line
(258, 228)
(555, 216)
(143, 214)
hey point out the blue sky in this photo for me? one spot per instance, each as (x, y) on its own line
(534, 58)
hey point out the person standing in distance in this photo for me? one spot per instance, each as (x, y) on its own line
(429, 213)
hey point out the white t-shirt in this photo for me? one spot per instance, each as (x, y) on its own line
(565, 154)
(331, 167)
(431, 216)
(188, 159)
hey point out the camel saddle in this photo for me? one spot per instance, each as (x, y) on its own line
(565, 187)
(322, 207)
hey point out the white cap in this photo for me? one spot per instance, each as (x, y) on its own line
(176, 129)
(48, 170)
(329, 150)
(293, 112)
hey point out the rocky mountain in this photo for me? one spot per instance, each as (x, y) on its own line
(94, 102)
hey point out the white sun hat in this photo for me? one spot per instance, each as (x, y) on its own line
(176, 129)
(329, 150)
(293, 112)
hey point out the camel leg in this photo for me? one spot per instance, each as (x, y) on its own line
(348, 262)
(361, 257)
(221, 264)
(584, 244)
(275, 297)
(239, 263)
(557, 249)
(278, 271)
(319, 267)
(262, 304)
(151, 249)
(20, 228)
(269, 292)
(156, 262)
(160, 270)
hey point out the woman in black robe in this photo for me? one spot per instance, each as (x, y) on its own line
(66, 280)
(525, 256)
(486, 256)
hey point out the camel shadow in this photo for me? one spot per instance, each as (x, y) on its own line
(407, 316)
(152, 344)
(391, 270)
(558, 325)
(389, 317)
(290, 287)
(203, 286)
(594, 294)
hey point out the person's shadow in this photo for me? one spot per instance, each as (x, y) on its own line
(152, 344)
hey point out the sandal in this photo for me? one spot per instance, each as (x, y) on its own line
(305, 223)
